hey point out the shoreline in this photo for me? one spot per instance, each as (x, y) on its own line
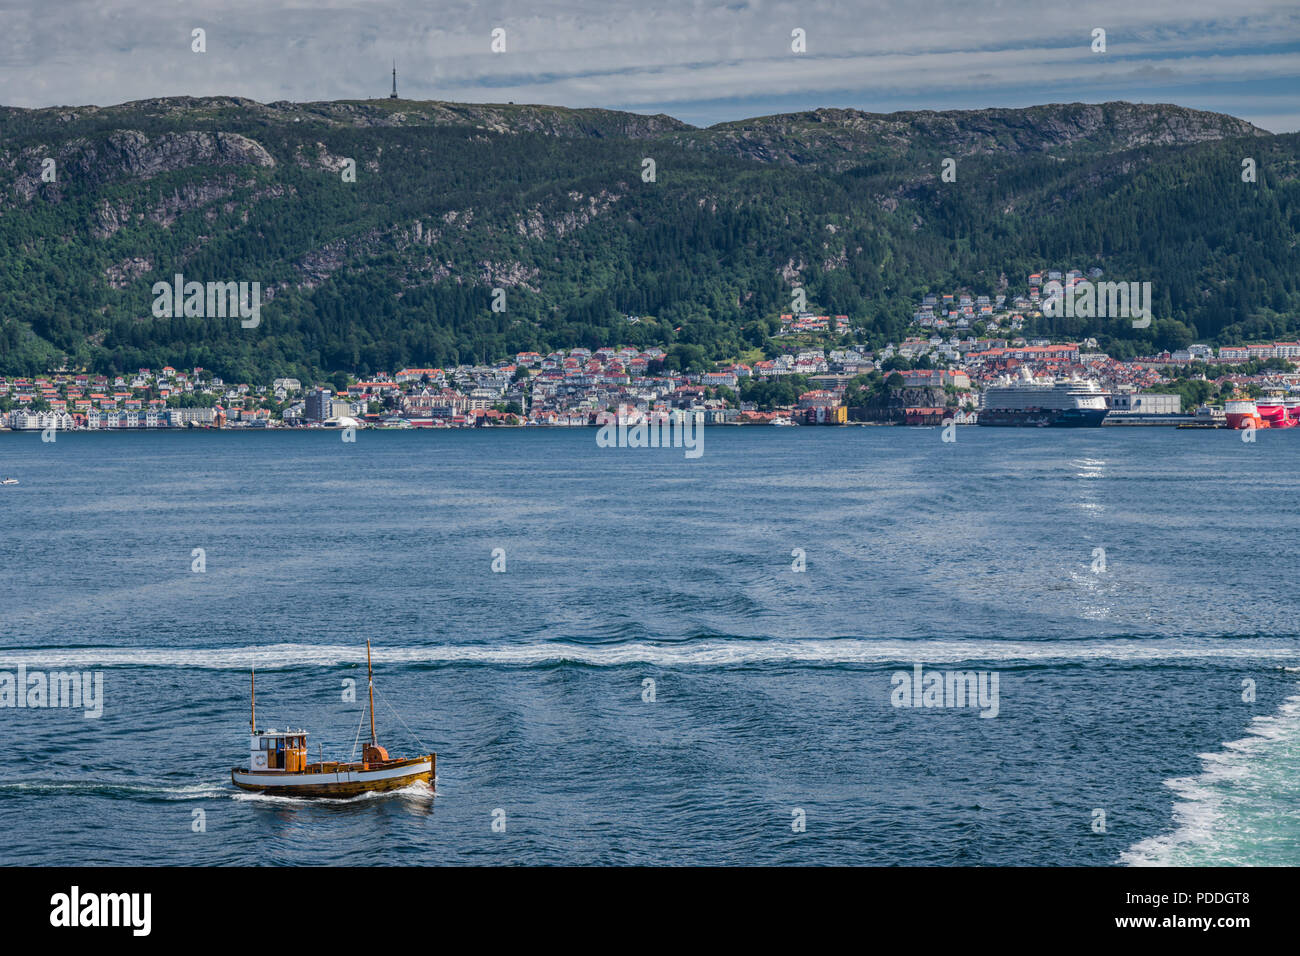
(1106, 426)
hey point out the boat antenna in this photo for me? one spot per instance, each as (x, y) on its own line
(252, 697)
(370, 675)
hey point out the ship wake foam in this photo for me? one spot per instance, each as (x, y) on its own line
(418, 790)
(696, 653)
(1241, 809)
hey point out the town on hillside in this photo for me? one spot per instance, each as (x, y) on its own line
(807, 386)
(958, 346)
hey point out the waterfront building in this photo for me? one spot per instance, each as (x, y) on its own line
(319, 405)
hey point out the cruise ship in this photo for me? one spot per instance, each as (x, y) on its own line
(1043, 403)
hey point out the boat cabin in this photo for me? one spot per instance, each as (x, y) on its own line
(284, 750)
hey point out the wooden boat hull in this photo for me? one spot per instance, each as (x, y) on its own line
(344, 780)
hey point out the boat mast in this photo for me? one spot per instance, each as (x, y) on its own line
(370, 676)
(252, 698)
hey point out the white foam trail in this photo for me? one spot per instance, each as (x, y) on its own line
(1239, 811)
(419, 789)
(705, 653)
(193, 791)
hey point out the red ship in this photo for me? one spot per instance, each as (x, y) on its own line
(1270, 412)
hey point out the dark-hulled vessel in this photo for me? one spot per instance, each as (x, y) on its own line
(1029, 402)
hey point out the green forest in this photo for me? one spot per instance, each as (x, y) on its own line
(399, 266)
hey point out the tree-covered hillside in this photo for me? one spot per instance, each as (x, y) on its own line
(451, 201)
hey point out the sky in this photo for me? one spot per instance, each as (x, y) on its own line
(702, 62)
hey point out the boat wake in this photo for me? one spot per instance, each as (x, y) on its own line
(713, 652)
(1241, 810)
(108, 788)
(418, 790)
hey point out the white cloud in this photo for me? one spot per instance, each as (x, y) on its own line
(672, 55)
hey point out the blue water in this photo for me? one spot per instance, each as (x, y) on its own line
(1119, 691)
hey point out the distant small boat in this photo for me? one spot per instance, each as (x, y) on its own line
(9, 481)
(278, 763)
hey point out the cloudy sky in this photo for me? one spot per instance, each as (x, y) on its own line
(699, 60)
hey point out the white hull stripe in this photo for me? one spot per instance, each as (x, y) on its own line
(273, 779)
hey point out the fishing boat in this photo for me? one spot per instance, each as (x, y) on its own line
(277, 763)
